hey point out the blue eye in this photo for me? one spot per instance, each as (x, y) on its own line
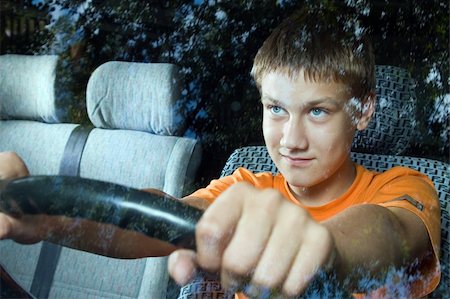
(317, 112)
(275, 109)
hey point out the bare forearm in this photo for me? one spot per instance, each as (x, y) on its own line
(90, 236)
(369, 240)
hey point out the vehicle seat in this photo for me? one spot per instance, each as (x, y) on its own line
(135, 142)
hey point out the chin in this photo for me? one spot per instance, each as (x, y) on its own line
(300, 180)
(304, 177)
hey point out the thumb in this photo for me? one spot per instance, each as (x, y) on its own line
(182, 266)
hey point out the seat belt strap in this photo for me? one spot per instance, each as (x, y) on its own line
(71, 160)
(49, 255)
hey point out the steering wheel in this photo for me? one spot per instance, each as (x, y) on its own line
(153, 214)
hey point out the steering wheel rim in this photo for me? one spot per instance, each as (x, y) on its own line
(155, 215)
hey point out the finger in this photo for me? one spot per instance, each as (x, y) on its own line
(251, 236)
(217, 225)
(314, 254)
(182, 266)
(282, 247)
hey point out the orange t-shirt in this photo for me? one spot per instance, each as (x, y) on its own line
(397, 187)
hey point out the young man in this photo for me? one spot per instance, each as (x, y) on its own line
(322, 213)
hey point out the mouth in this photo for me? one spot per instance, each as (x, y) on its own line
(297, 161)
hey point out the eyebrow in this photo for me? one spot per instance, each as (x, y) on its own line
(312, 103)
(271, 100)
(331, 101)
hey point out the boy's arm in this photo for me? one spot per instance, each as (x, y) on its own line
(82, 234)
(373, 238)
(272, 243)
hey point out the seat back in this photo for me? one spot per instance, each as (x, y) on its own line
(135, 142)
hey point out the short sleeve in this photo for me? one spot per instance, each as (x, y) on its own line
(216, 187)
(414, 191)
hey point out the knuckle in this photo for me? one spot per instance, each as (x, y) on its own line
(296, 215)
(271, 199)
(208, 229)
(267, 281)
(235, 266)
(321, 234)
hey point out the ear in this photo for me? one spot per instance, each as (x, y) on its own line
(367, 111)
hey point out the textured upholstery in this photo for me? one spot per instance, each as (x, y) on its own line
(31, 140)
(27, 87)
(20, 261)
(135, 96)
(204, 288)
(84, 275)
(140, 103)
(117, 156)
(393, 125)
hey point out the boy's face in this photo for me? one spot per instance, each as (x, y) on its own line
(308, 132)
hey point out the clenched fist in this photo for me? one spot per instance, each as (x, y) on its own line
(258, 239)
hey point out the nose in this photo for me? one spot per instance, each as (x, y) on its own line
(294, 135)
